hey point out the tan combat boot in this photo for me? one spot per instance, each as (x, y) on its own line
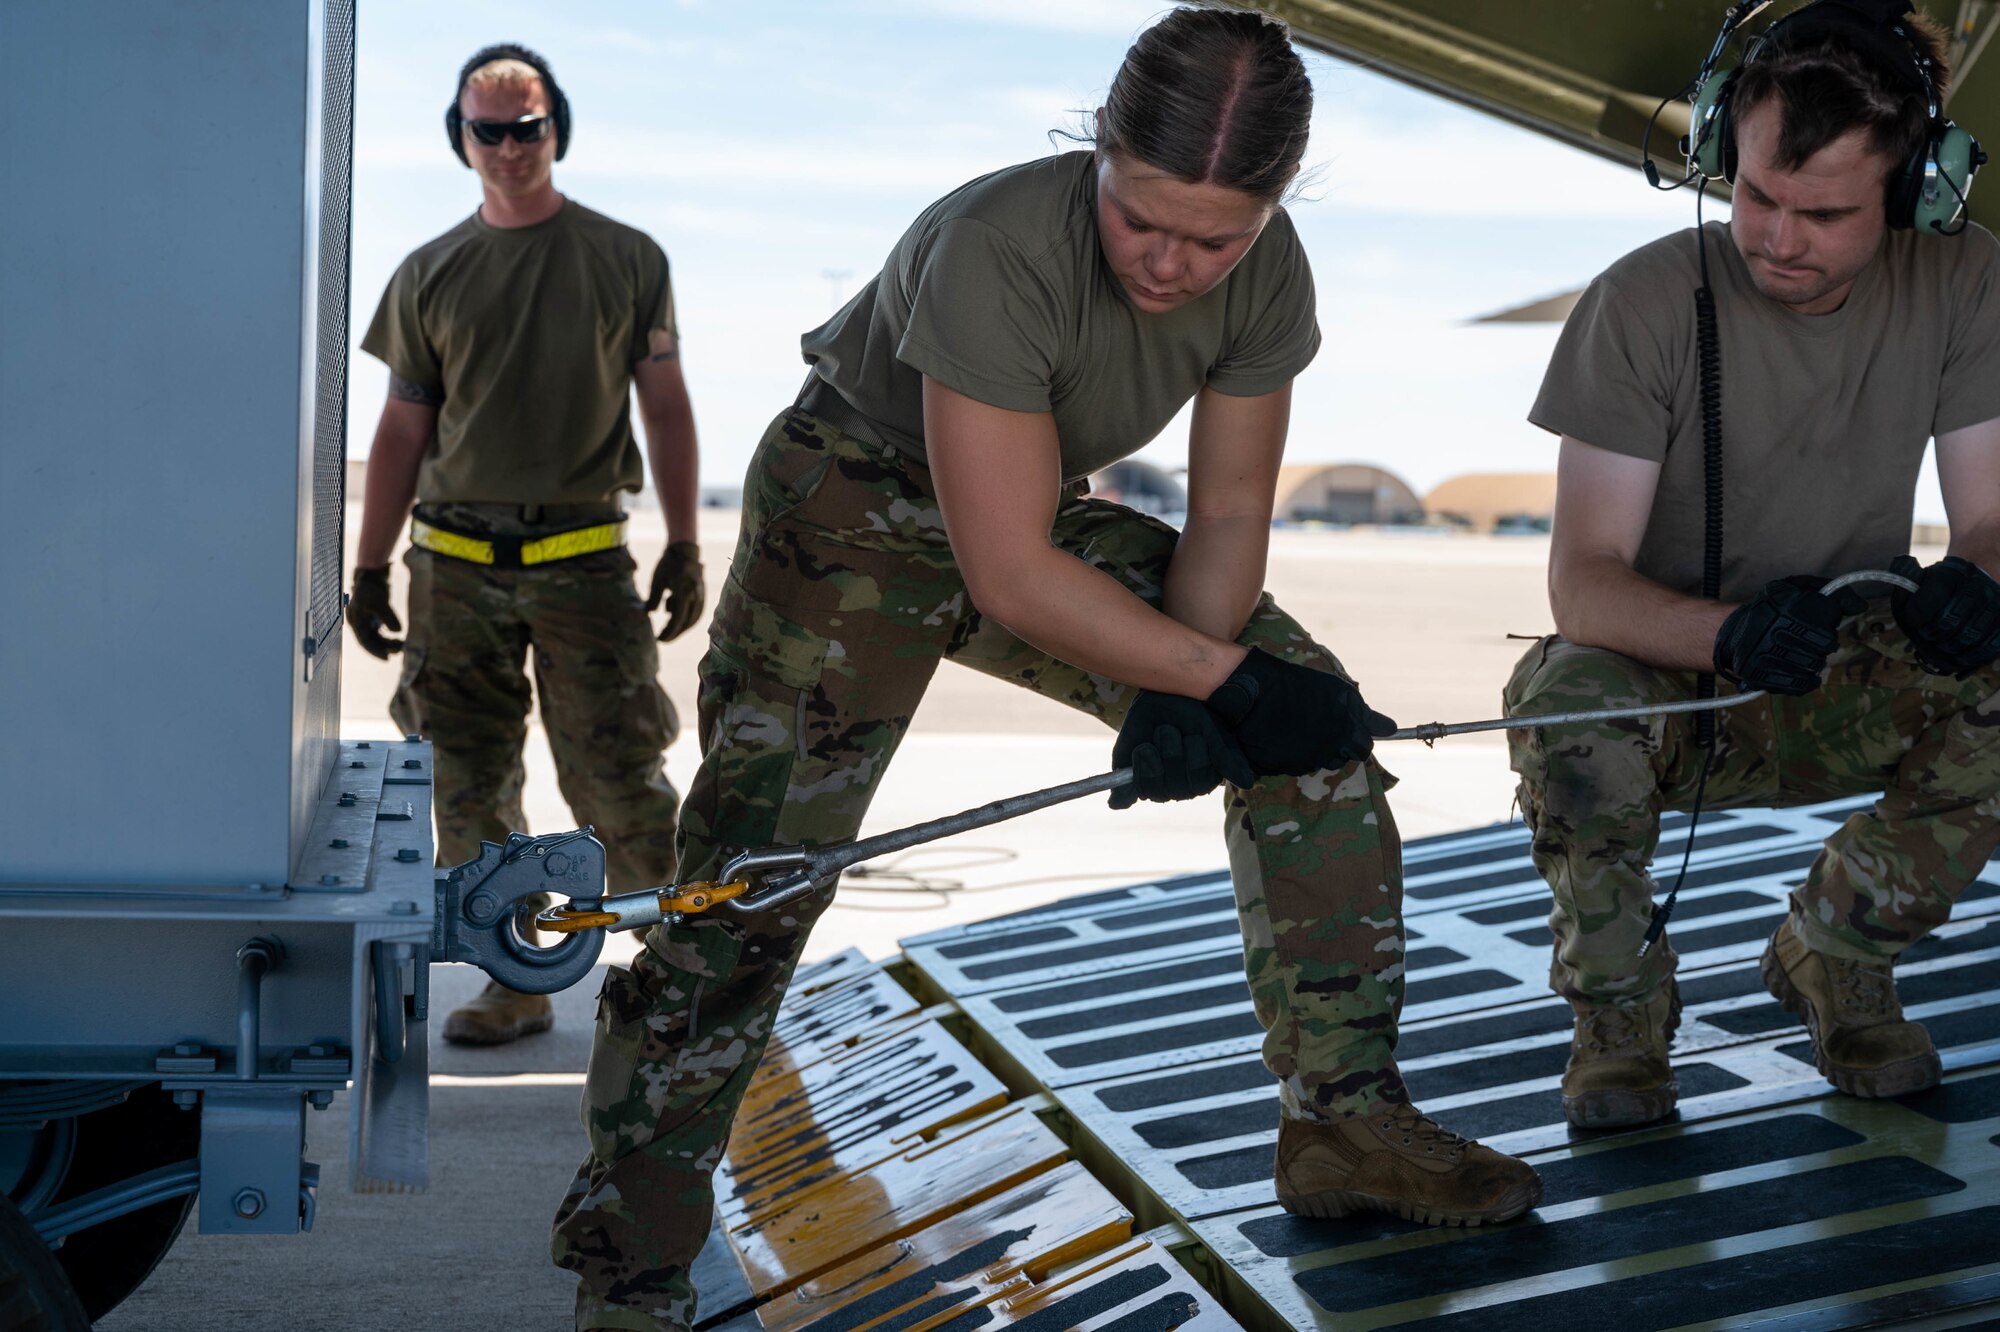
(1396, 1160)
(1618, 1072)
(499, 1015)
(1859, 1037)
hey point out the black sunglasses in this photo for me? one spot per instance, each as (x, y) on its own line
(528, 129)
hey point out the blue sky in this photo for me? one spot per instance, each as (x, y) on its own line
(777, 149)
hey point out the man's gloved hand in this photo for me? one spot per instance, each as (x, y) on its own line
(677, 577)
(1779, 640)
(368, 609)
(1176, 750)
(1292, 719)
(1953, 618)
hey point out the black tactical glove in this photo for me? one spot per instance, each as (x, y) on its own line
(1779, 640)
(368, 609)
(1292, 719)
(677, 577)
(1953, 618)
(1176, 750)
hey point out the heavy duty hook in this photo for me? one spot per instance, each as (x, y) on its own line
(481, 913)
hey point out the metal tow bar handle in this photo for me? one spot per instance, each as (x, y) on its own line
(790, 872)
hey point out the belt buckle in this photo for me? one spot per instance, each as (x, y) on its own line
(507, 551)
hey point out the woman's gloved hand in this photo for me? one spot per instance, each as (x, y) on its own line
(1292, 720)
(1176, 751)
(1779, 640)
(1953, 618)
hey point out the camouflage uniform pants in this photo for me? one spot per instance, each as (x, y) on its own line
(842, 600)
(1593, 794)
(581, 622)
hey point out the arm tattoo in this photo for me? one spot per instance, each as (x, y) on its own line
(412, 392)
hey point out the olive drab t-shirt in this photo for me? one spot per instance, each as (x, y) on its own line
(1824, 417)
(1000, 291)
(530, 333)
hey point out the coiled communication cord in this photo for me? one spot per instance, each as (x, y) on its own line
(1708, 360)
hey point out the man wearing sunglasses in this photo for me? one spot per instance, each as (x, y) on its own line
(513, 342)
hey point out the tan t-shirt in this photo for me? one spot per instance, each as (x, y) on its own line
(1824, 417)
(1000, 291)
(530, 333)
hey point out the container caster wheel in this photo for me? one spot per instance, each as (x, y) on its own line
(35, 1294)
(107, 1262)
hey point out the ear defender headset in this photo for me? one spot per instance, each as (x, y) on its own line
(1927, 190)
(454, 119)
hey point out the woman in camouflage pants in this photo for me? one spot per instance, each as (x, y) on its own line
(920, 504)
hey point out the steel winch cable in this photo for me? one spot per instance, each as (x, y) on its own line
(789, 873)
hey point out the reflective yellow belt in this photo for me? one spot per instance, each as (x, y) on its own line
(515, 552)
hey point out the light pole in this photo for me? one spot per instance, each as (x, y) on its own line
(836, 279)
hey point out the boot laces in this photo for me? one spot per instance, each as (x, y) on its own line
(1416, 1129)
(1862, 990)
(1610, 1029)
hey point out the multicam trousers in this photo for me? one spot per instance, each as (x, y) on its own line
(842, 600)
(596, 666)
(1592, 794)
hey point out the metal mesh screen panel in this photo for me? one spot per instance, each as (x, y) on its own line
(330, 390)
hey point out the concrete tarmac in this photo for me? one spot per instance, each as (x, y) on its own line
(1424, 622)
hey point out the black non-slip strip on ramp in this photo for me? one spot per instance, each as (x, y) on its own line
(1152, 999)
(1202, 1137)
(1882, 1205)
(1149, 920)
(1197, 919)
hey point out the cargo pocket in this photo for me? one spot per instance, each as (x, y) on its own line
(757, 681)
(786, 558)
(1136, 551)
(616, 1117)
(1876, 652)
(639, 1085)
(755, 634)
(670, 1043)
(1967, 766)
(648, 722)
(406, 707)
(1521, 683)
(790, 465)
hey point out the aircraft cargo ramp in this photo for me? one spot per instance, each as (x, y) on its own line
(1058, 1119)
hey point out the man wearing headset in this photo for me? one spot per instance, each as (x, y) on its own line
(513, 342)
(1857, 317)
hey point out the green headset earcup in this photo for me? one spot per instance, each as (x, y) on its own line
(454, 129)
(1938, 196)
(1708, 125)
